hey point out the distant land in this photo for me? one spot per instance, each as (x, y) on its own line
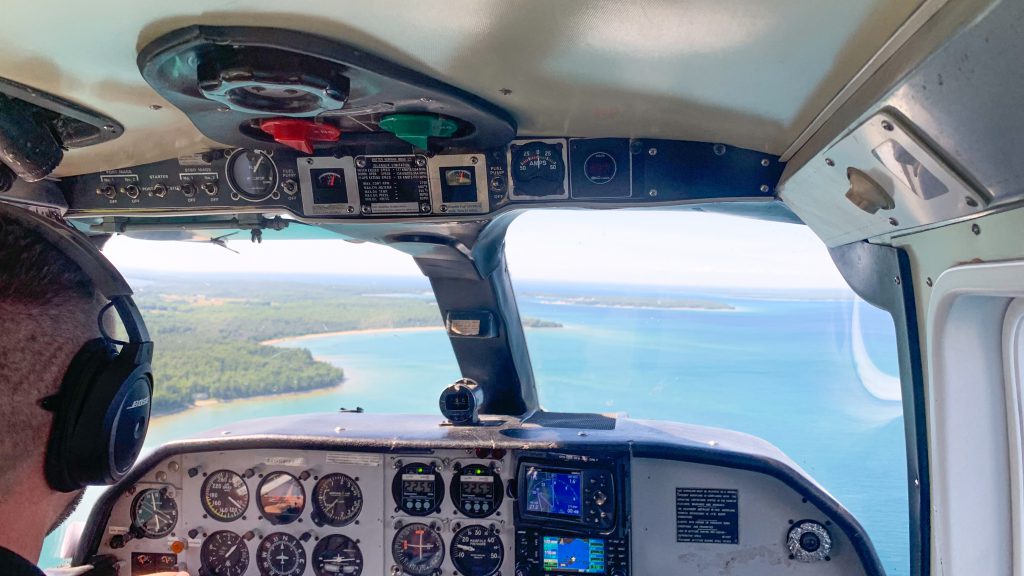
(633, 302)
(208, 332)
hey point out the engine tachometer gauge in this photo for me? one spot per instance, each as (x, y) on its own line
(154, 513)
(418, 549)
(337, 555)
(225, 495)
(281, 498)
(281, 554)
(224, 553)
(477, 551)
(252, 174)
(337, 500)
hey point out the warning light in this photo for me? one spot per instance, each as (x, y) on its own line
(420, 470)
(478, 472)
(177, 546)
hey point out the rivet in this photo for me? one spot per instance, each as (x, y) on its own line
(830, 162)
(652, 192)
(971, 202)
(894, 222)
(309, 161)
(765, 162)
(896, 280)
(222, 108)
(887, 126)
(474, 160)
(155, 107)
(719, 149)
(504, 91)
(976, 229)
(765, 188)
(425, 99)
(652, 151)
(928, 281)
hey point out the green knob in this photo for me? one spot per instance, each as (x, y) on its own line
(416, 128)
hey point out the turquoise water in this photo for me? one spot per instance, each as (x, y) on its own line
(779, 369)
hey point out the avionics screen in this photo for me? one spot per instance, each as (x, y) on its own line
(421, 485)
(553, 492)
(477, 486)
(581, 555)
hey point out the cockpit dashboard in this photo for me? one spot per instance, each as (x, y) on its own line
(342, 495)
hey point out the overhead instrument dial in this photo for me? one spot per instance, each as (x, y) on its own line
(281, 554)
(225, 496)
(224, 553)
(337, 500)
(252, 174)
(281, 498)
(538, 169)
(418, 549)
(337, 555)
(477, 551)
(154, 513)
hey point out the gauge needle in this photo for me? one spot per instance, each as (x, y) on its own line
(233, 501)
(464, 547)
(256, 166)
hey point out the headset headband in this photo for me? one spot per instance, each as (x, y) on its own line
(103, 275)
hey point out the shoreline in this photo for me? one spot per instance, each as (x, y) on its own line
(315, 335)
(217, 402)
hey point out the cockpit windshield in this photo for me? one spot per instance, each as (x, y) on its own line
(703, 318)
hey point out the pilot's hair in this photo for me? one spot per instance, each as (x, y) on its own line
(48, 309)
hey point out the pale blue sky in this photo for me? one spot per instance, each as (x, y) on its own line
(621, 247)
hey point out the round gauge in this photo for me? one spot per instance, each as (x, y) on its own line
(224, 553)
(281, 498)
(225, 496)
(418, 489)
(154, 513)
(600, 168)
(477, 551)
(418, 549)
(337, 500)
(337, 554)
(476, 490)
(538, 169)
(252, 174)
(281, 554)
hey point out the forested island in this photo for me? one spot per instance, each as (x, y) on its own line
(662, 303)
(208, 331)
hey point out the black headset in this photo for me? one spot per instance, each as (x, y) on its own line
(101, 413)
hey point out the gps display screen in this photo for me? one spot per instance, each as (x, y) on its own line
(554, 492)
(579, 555)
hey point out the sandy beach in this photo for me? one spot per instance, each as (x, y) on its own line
(273, 341)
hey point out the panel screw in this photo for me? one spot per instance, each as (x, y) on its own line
(652, 192)
(830, 162)
(309, 161)
(155, 107)
(652, 151)
(894, 222)
(765, 188)
(719, 149)
(928, 281)
(971, 202)
(765, 162)
(976, 229)
(887, 126)
(421, 161)
(360, 163)
(504, 91)
(896, 280)
(474, 160)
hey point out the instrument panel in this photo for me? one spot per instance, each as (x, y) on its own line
(492, 510)
(364, 183)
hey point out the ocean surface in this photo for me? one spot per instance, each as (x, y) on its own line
(778, 366)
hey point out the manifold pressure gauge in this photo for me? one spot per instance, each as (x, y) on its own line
(809, 541)
(460, 403)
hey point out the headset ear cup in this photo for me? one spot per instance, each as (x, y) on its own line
(92, 359)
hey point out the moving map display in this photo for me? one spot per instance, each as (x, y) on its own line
(553, 492)
(581, 555)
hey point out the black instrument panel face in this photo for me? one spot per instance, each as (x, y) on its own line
(350, 183)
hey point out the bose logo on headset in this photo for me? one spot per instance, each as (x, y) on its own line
(101, 413)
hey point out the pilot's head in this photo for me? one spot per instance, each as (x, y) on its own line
(48, 310)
